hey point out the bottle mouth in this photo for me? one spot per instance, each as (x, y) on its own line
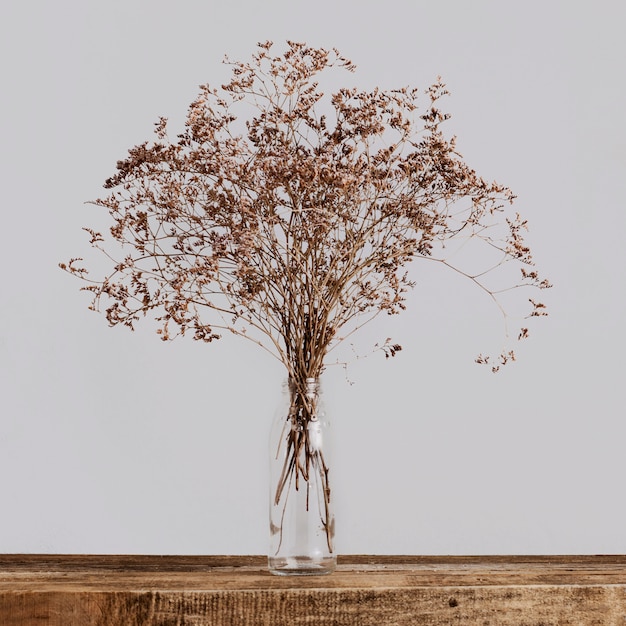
(310, 380)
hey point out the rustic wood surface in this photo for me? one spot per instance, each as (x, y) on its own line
(365, 591)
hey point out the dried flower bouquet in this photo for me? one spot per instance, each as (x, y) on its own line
(289, 217)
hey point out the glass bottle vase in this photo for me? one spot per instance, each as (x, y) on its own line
(302, 524)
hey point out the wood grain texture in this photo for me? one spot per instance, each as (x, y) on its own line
(364, 591)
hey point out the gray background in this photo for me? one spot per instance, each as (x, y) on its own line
(112, 441)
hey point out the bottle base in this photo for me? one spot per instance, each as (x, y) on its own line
(301, 566)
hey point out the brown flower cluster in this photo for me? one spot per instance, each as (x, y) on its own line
(288, 217)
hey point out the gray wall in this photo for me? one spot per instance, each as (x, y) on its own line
(112, 441)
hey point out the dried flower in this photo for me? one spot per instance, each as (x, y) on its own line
(294, 229)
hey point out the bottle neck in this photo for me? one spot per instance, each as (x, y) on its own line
(310, 388)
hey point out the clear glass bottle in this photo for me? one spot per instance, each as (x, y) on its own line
(302, 524)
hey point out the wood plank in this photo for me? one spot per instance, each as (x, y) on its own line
(365, 590)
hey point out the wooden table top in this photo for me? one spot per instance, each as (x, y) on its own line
(38, 572)
(367, 590)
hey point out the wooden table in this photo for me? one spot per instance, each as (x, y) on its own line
(364, 591)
